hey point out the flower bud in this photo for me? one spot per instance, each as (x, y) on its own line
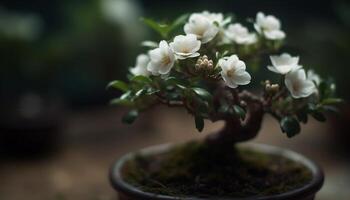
(204, 64)
(243, 103)
(272, 88)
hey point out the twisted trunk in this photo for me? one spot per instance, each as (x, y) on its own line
(236, 130)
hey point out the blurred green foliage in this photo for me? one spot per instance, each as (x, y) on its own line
(79, 48)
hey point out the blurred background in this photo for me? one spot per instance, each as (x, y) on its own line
(59, 136)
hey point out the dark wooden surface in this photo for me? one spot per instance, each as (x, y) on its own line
(93, 139)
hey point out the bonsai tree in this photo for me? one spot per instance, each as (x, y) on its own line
(208, 68)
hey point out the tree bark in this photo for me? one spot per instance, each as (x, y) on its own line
(236, 130)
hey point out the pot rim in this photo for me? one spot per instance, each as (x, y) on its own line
(308, 189)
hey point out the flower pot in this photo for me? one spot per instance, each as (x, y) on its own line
(306, 192)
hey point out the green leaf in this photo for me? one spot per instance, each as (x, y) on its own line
(165, 29)
(199, 123)
(239, 111)
(227, 20)
(290, 126)
(151, 91)
(173, 81)
(122, 102)
(318, 116)
(202, 107)
(331, 108)
(142, 79)
(140, 92)
(178, 22)
(181, 86)
(331, 101)
(162, 29)
(326, 89)
(217, 55)
(224, 108)
(126, 95)
(302, 116)
(311, 107)
(216, 23)
(172, 96)
(150, 44)
(117, 84)
(204, 94)
(315, 112)
(322, 89)
(130, 117)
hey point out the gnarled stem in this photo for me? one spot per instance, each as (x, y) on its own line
(236, 130)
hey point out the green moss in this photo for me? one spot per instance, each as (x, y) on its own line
(194, 169)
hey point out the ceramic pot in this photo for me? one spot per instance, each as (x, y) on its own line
(307, 192)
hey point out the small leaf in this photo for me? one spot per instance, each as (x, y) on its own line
(173, 81)
(142, 79)
(224, 108)
(225, 53)
(311, 107)
(239, 111)
(204, 94)
(172, 96)
(216, 23)
(162, 29)
(217, 55)
(126, 95)
(178, 22)
(130, 117)
(199, 123)
(302, 116)
(227, 20)
(331, 101)
(150, 44)
(122, 102)
(117, 84)
(140, 92)
(290, 126)
(331, 109)
(322, 89)
(181, 86)
(318, 116)
(202, 107)
(151, 91)
(326, 89)
(315, 112)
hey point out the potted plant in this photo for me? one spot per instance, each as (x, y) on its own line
(206, 71)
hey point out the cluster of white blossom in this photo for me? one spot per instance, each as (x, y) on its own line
(296, 81)
(269, 26)
(203, 28)
(233, 71)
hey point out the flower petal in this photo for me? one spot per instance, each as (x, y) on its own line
(229, 82)
(274, 34)
(242, 79)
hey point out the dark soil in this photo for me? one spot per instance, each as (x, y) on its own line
(194, 169)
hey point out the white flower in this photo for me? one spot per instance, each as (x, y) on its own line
(283, 63)
(140, 68)
(185, 46)
(270, 26)
(162, 59)
(298, 85)
(240, 34)
(202, 26)
(312, 76)
(233, 71)
(214, 17)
